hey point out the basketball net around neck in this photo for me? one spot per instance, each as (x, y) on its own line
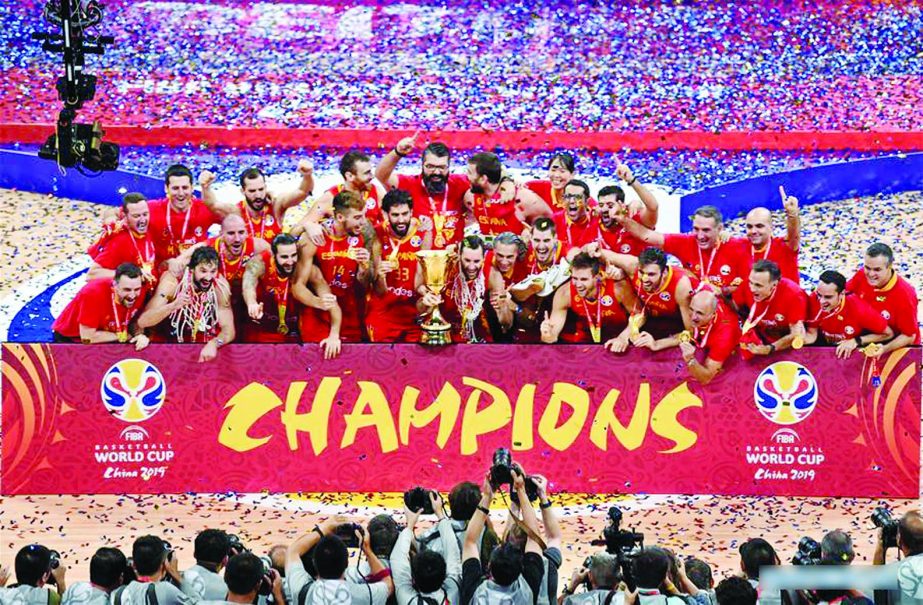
(200, 314)
(469, 301)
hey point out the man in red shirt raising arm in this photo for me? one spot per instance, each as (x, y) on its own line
(263, 212)
(130, 245)
(703, 252)
(438, 195)
(612, 235)
(783, 251)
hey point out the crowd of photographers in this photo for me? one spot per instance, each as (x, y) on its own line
(464, 558)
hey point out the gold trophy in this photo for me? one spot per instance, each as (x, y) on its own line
(436, 330)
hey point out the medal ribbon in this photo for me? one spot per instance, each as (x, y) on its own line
(595, 329)
(147, 258)
(245, 212)
(122, 333)
(703, 271)
(182, 236)
(751, 322)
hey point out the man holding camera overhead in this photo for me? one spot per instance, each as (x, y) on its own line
(429, 577)
(537, 489)
(463, 502)
(507, 563)
(331, 558)
(383, 531)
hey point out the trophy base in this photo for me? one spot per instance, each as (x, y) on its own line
(436, 335)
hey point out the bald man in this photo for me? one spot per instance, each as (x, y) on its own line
(781, 250)
(715, 332)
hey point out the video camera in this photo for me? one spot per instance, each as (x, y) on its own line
(883, 520)
(809, 552)
(501, 473)
(73, 144)
(625, 544)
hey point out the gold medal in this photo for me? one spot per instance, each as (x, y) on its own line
(596, 333)
(634, 324)
(438, 221)
(684, 336)
(439, 242)
(797, 342)
(123, 336)
(872, 349)
(148, 267)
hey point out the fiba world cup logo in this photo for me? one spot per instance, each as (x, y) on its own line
(133, 390)
(785, 392)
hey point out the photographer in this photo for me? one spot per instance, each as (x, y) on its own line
(276, 554)
(158, 576)
(107, 572)
(428, 577)
(909, 539)
(463, 501)
(506, 563)
(37, 567)
(735, 591)
(604, 577)
(755, 554)
(245, 575)
(201, 581)
(551, 554)
(678, 585)
(907, 536)
(331, 558)
(649, 570)
(836, 548)
(382, 531)
(699, 573)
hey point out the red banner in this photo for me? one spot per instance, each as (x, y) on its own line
(105, 419)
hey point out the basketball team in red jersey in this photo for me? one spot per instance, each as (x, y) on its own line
(544, 262)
